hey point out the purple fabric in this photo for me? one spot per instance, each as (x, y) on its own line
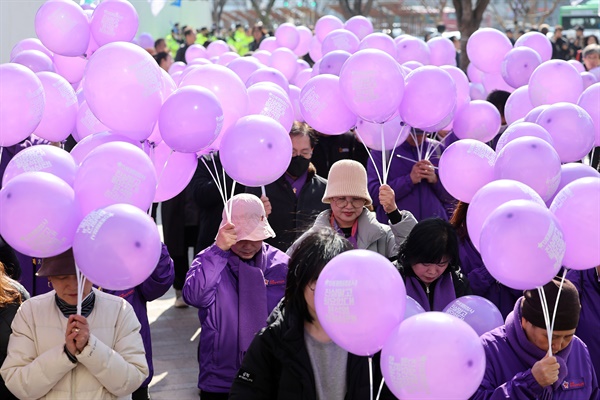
(211, 285)
(442, 289)
(252, 303)
(297, 183)
(588, 329)
(423, 200)
(482, 282)
(157, 284)
(354, 233)
(9, 152)
(510, 357)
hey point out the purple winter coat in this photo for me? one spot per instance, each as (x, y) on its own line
(211, 285)
(482, 282)
(157, 284)
(510, 357)
(588, 330)
(423, 200)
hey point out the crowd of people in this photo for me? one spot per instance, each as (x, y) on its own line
(258, 258)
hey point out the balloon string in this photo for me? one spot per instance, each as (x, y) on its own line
(413, 135)
(434, 148)
(383, 155)
(392, 154)
(371, 377)
(1, 151)
(163, 168)
(80, 283)
(544, 303)
(218, 185)
(231, 202)
(380, 388)
(370, 156)
(263, 191)
(557, 298)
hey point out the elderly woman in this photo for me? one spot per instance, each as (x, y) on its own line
(294, 358)
(429, 263)
(235, 284)
(53, 353)
(347, 194)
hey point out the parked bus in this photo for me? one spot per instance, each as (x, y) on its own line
(584, 14)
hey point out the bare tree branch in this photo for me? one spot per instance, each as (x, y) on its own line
(217, 11)
(356, 8)
(264, 15)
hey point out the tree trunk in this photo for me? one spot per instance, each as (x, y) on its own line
(218, 6)
(264, 15)
(469, 20)
(357, 8)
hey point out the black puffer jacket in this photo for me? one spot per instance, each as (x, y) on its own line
(277, 366)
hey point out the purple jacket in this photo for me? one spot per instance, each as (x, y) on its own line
(482, 282)
(211, 285)
(588, 284)
(157, 284)
(423, 200)
(510, 356)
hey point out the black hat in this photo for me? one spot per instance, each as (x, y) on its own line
(61, 264)
(567, 313)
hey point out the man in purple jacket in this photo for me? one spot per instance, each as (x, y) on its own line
(414, 178)
(588, 284)
(235, 284)
(157, 284)
(518, 364)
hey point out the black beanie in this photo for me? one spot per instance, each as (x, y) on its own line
(567, 314)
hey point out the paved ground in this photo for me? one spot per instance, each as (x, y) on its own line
(175, 334)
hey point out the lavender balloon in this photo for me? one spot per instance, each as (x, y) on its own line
(340, 39)
(86, 123)
(269, 44)
(332, 62)
(522, 244)
(302, 77)
(174, 171)
(360, 26)
(325, 25)
(379, 41)
(566, 86)
(244, 67)
(219, 47)
(590, 102)
(577, 65)
(146, 41)
(287, 35)
(480, 313)
(441, 51)
(114, 21)
(284, 60)
(38, 214)
(538, 42)
(412, 308)
(588, 79)
(227, 57)
(268, 74)
(35, 60)
(521, 129)
(42, 158)
(465, 167)
(63, 27)
(413, 49)
(518, 105)
(534, 114)
(295, 99)
(518, 65)
(117, 247)
(576, 208)
(29, 44)
(304, 39)
(494, 81)
(272, 102)
(395, 132)
(89, 143)
(195, 51)
(486, 49)
(60, 112)
(478, 120)
(571, 172)
(433, 356)
(345, 299)
(314, 49)
(70, 68)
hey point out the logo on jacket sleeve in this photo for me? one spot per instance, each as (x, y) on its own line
(573, 383)
(245, 376)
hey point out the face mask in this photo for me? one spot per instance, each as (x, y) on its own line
(298, 166)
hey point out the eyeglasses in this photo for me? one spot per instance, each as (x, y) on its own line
(303, 153)
(342, 202)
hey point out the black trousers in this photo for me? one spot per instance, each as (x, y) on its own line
(213, 396)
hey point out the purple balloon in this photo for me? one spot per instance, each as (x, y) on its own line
(492, 196)
(532, 161)
(518, 105)
(433, 356)
(263, 56)
(284, 60)
(441, 51)
(588, 79)
(518, 65)
(533, 115)
(395, 132)
(323, 107)
(478, 120)
(521, 129)
(475, 75)
(177, 66)
(462, 84)
(412, 308)
(360, 26)
(146, 41)
(287, 35)
(218, 47)
(332, 62)
(326, 24)
(87, 123)
(114, 21)
(495, 81)
(271, 101)
(486, 48)
(259, 141)
(465, 167)
(477, 91)
(244, 67)
(571, 128)
(38, 214)
(42, 158)
(269, 44)
(70, 68)
(366, 92)
(577, 65)
(411, 65)
(429, 97)
(590, 102)
(22, 103)
(179, 116)
(340, 39)
(130, 71)
(195, 51)
(379, 41)
(29, 44)
(227, 57)
(174, 171)
(314, 50)
(268, 74)
(117, 247)
(35, 60)
(304, 38)
(302, 77)
(538, 42)
(576, 208)
(345, 299)
(571, 172)
(60, 111)
(413, 49)
(295, 99)
(89, 143)
(115, 172)
(316, 69)
(63, 27)
(480, 313)
(567, 84)
(522, 244)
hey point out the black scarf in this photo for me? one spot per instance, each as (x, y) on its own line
(87, 305)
